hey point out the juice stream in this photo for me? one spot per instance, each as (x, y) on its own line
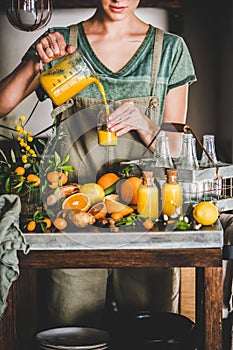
(61, 87)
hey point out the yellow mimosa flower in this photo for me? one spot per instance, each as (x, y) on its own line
(22, 118)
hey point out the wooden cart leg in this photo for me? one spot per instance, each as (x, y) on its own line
(19, 322)
(209, 299)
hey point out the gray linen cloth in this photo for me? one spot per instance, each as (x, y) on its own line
(11, 240)
(227, 224)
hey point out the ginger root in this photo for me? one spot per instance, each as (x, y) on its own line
(81, 219)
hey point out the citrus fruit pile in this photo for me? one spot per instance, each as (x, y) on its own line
(110, 199)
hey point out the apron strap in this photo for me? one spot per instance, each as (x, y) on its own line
(156, 57)
(74, 35)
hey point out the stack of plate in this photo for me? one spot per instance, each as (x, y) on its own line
(73, 338)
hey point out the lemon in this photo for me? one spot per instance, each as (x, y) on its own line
(94, 191)
(205, 213)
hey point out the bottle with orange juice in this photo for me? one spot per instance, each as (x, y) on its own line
(171, 195)
(147, 196)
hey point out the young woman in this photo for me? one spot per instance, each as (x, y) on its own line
(148, 72)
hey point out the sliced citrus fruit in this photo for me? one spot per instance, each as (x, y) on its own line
(94, 191)
(98, 210)
(114, 206)
(128, 190)
(77, 201)
(205, 213)
(107, 180)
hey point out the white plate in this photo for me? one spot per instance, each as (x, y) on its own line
(73, 338)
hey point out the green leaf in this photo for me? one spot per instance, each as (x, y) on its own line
(57, 159)
(42, 142)
(67, 168)
(8, 185)
(111, 189)
(20, 184)
(65, 160)
(13, 156)
(27, 165)
(4, 156)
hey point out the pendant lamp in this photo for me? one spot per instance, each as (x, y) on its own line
(29, 15)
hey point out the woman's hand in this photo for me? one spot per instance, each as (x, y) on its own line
(129, 117)
(52, 47)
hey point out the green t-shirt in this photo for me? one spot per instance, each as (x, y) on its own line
(134, 79)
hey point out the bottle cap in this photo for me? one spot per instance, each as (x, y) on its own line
(171, 172)
(148, 174)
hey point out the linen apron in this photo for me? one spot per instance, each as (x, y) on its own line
(78, 296)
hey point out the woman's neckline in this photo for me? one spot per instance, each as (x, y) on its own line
(127, 66)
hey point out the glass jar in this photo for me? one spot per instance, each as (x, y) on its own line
(105, 136)
(68, 77)
(147, 196)
(172, 195)
(188, 158)
(209, 145)
(162, 154)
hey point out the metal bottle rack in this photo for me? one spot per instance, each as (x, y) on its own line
(205, 184)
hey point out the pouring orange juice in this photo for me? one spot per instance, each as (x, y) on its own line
(70, 76)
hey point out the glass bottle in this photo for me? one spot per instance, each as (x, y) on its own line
(148, 199)
(162, 153)
(188, 157)
(172, 195)
(212, 188)
(209, 145)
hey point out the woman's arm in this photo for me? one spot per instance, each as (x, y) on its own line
(25, 78)
(175, 111)
(18, 85)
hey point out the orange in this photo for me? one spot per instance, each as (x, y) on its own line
(128, 190)
(31, 226)
(20, 170)
(98, 210)
(107, 180)
(205, 213)
(57, 178)
(35, 179)
(77, 201)
(60, 223)
(114, 206)
(116, 216)
(48, 222)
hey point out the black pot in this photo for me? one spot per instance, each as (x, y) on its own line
(152, 331)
